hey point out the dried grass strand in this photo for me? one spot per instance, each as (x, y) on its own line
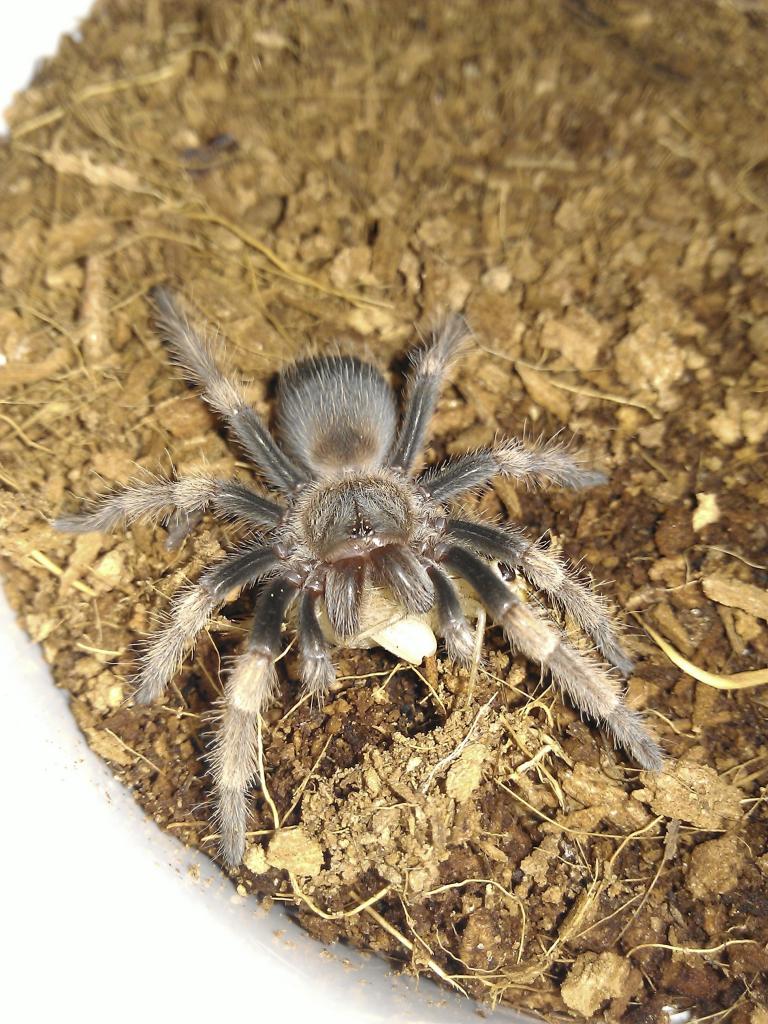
(740, 681)
(281, 265)
(336, 915)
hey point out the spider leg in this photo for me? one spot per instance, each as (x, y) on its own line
(179, 527)
(452, 622)
(236, 501)
(397, 567)
(317, 671)
(344, 585)
(429, 370)
(249, 688)
(550, 463)
(589, 685)
(162, 499)
(190, 614)
(224, 395)
(549, 574)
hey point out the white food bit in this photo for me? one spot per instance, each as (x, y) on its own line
(383, 623)
(707, 511)
(411, 639)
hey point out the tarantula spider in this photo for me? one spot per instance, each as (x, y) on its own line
(353, 516)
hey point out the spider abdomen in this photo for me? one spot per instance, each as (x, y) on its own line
(336, 414)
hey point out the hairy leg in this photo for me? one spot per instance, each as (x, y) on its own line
(532, 464)
(249, 689)
(160, 500)
(179, 527)
(452, 623)
(190, 613)
(224, 395)
(549, 574)
(430, 365)
(344, 585)
(397, 567)
(589, 685)
(317, 671)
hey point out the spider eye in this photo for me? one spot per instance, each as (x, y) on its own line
(362, 525)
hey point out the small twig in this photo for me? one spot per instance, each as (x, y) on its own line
(135, 753)
(533, 762)
(9, 481)
(574, 920)
(735, 554)
(390, 928)
(444, 762)
(102, 89)
(263, 777)
(432, 690)
(27, 440)
(603, 396)
(558, 824)
(720, 1015)
(477, 652)
(305, 781)
(281, 265)
(744, 188)
(703, 950)
(627, 839)
(98, 650)
(337, 915)
(495, 885)
(608, 917)
(740, 681)
(670, 848)
(337, 688)
(46, 563)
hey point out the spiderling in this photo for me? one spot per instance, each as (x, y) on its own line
(349, 516)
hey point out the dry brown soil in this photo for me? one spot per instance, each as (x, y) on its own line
(589, 181)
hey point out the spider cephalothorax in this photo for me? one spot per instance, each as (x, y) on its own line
(352, 518)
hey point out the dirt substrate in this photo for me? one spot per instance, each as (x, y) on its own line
(590, 182)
